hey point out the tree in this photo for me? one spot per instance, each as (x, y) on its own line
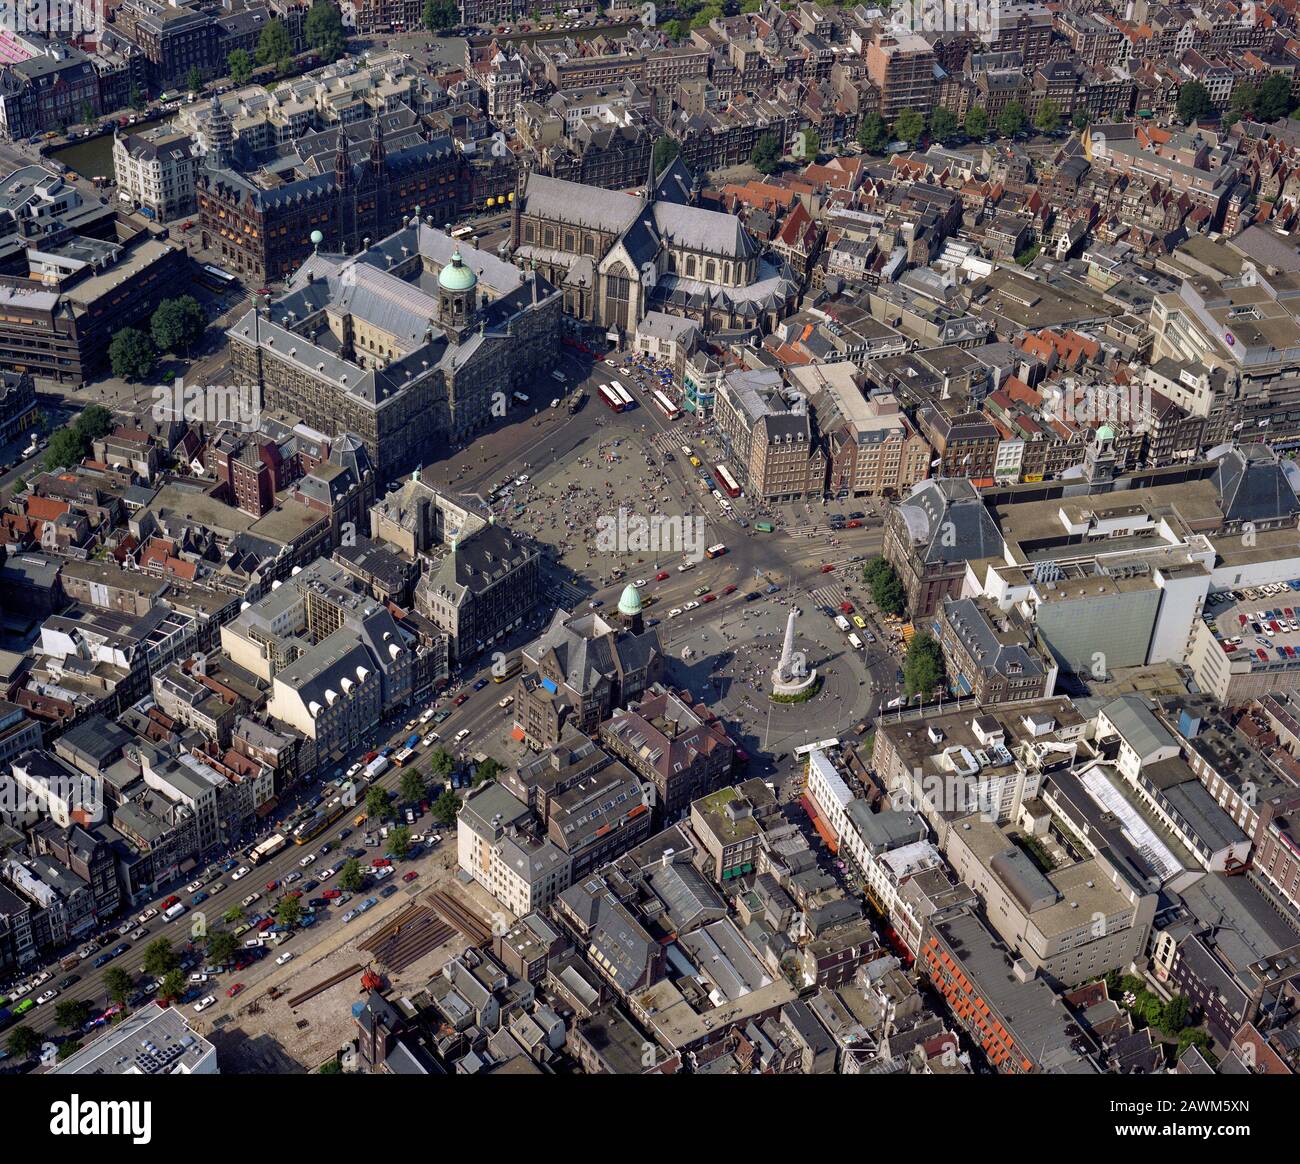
(446, 807)
(809, 144)
(1048, 117)
(923, 668)
(351, 877)
(1274, 98)
(412, 786)
(178, 324)
(324, 30)
(274, 44)
(66, 448)
(665, 152)
(1243, 99)
(749, 6)
(440, 15)
(23, 1042)
(94, 421)
(132, 355)
(222, 946)
(72, 1014)
(766, 155)
(873, 134)
(673, 29)
(194, 80)
(886, 589)
(1011, 120)
(1176, 1013)
(378, 806)
(136, 99)
(486, 772)
(240, 66)
(910, 126)
(441, 762)
(233, 916)
(1080, 119)
(399, 842)
(87, 112)
(288, 911)
(173, 985)
(159, 957)
(1193, 102)
(943, 124)
(706, 15)
(67, 1049)
(118, 983)
(977, 122)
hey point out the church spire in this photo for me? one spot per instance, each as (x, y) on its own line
(342, 163)
(377, 143)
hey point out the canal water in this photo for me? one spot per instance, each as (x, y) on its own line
(93, 157)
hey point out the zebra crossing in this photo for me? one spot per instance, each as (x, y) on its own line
(565, 595)
(830, 595)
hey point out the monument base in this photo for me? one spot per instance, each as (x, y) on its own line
(794, 685)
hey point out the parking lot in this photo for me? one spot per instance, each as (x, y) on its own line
(1264, 621)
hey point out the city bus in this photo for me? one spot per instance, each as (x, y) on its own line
(666, 406)
(716, 551)
(267, 849)
(460, 232)
(727, 481)
(318, 822)
(215, 278)
(611, 399)
(624, 395)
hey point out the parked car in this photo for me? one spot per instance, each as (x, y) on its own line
(206, 1001)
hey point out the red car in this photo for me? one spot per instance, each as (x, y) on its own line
(411, 876)
(709, 598)
(331, 894)
(168, 902)
(293, 893)
(661, 576)
(846, 607)
(234, 990)
(464, 695)
(828, 568)
(380, 863)
(855, 524)
(265, 924)
(729, 589)
(270, 886)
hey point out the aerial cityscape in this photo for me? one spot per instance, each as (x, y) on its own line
(715, 538)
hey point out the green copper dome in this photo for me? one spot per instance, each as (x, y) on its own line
(1105, 433)
(456, 276)
(630, 603)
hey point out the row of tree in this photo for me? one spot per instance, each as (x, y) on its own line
(176, 326)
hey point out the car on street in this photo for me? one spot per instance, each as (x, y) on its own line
(48, 996)
(709, 598)
(199, 898)
(137, 934)
(70, 980)
(411, 876)
(290, 878)
(206, 1001)
(194, 886)
(480, 684)
(148, 915)
(662, 576)
(388, 891)
(252, 897)
(242, 871)
(692, 605)
(234, 990)
(272, 885)
(287, 956)
(730, 589)
(464, 695)
(326, 874)
(307, 860)
(331, 894)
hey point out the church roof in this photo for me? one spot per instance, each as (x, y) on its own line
(578, 205)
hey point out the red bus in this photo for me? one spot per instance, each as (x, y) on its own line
(610, 397)
(666, 406)
(727, 481)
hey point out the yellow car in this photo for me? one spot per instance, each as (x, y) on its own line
(859, 622)
(695, 462)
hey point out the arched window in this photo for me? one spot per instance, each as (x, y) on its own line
(710, 272)
(690, 266)
(618, 291)
(548, 237)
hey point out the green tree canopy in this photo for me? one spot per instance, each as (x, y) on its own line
(234, 915)
(399, 842)
(977, 122)
(23, 1042)
(240, 66)
(873, 134)
(1048, 117)
(809, 144)
(67, 1049)
(766, 155)
(943, 124)
(288, 911)
(923, 668)
(487, 771)
(441, 762)
(173, 985)
(440, 15)
(1011, 120)
(178, 324)
(886, 590)
(324, 30)
(706, 15)
(1079, 119)
(118, 983)
(1193, 102)
(412, 786)
(132, 355)
(159, 957)
(446, 807)
(1274, 99)
(274, 44)
(72, 1013)
(351, 876)
(378, 806)
(665, 151)
(222, 946)
(194, 80)
(909, 126)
